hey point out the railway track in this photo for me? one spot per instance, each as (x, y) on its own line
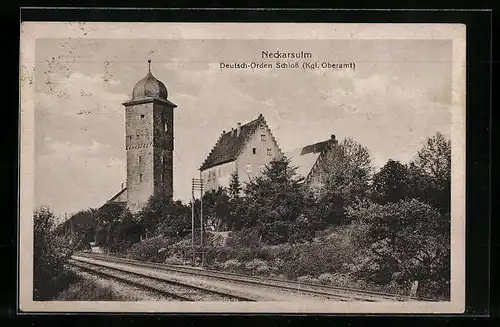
(310, 289)
(168, 289)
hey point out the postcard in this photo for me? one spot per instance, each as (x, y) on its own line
(242, 167)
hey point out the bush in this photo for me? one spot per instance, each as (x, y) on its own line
(326, 278)
(148, 249)
(306, 279)
(257, 266)
(173, 261)
(232, 265)
(414, 246)
(51, 252)
(326, 256)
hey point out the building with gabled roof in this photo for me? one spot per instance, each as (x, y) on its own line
(245, 149)
(308, 160)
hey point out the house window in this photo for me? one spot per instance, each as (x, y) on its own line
(261, 167)
(269, 152)
(136, 136)
(139, 159)
(263, 137)
(142, 117)
(140, 178)
(254, 150)
(249, 168)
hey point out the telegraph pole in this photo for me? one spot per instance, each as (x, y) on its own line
(192, 225)
(201, 222)
(197, 185)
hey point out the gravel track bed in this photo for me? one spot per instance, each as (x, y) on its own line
(171, 290)
(282, 286)
(285, 289)
(124, 291)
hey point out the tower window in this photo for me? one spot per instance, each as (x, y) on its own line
(139, 159)
(269, 152)
(140, 178)
(249, 168)
(254, 150)
(263, 137)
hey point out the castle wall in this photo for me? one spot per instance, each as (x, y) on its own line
(250, 164)
(218, 176)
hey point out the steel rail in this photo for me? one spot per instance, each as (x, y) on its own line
(129, 282)
(349, 294)
(155, 279)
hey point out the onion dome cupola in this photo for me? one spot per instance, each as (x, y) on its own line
(149, 86)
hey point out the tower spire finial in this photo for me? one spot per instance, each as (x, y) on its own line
(149, 63)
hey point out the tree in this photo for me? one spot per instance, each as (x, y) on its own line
(430, 173)
(50, 253)
(235, 204)
(404, 242)
(161, 215)
(235, 187)
(107, 219)
(216, 206)
(175, 219)
(391, 183)
(273, 201)
(344, 177)
(82, 225)
(150, 215)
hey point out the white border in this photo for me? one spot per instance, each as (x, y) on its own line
(32, 30)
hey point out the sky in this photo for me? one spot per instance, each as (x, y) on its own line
(398, 95)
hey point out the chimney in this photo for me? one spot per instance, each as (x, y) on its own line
(238, 130)
(332, 139)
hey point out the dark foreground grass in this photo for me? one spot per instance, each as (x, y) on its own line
(74, 287)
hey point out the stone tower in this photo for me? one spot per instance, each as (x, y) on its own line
(149, 142)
